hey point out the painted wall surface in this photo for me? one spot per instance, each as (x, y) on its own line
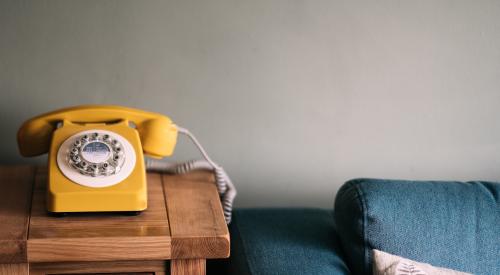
(293, 98)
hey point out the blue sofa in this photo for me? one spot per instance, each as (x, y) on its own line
(447, 224)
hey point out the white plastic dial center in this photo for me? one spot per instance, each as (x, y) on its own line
(96, 152)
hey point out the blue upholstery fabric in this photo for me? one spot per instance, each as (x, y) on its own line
(284, 241)
(448, 224)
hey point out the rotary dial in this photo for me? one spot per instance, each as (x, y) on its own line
(96, 155)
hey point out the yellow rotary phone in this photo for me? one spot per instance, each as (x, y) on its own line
(96, 160)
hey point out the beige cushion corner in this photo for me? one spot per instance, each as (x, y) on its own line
(388, 264)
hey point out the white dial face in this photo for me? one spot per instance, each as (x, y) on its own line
(96, 158)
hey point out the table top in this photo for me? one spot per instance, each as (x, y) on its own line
(184, 220)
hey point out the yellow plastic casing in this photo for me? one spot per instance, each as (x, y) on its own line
(154, 134)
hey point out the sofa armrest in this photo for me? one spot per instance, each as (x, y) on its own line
(447, 224)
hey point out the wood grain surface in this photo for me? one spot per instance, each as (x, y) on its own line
(99, 236)
(188, 266)
(14, 269)
(197, 224)
(16, 183)
(184, 222)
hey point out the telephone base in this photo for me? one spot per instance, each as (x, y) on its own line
(100, 193)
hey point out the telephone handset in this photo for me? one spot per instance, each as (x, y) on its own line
(96, 160)
(157, 132)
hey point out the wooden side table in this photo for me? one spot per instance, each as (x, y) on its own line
(182, 227)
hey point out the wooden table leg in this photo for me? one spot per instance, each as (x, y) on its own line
(188, 267)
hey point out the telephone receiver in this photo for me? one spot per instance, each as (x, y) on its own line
(157, 132)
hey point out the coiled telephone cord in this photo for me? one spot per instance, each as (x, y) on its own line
(225, 187)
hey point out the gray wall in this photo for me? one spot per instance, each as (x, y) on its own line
(292, 97)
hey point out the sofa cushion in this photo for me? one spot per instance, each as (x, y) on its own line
(450, 224)
(284, 241)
